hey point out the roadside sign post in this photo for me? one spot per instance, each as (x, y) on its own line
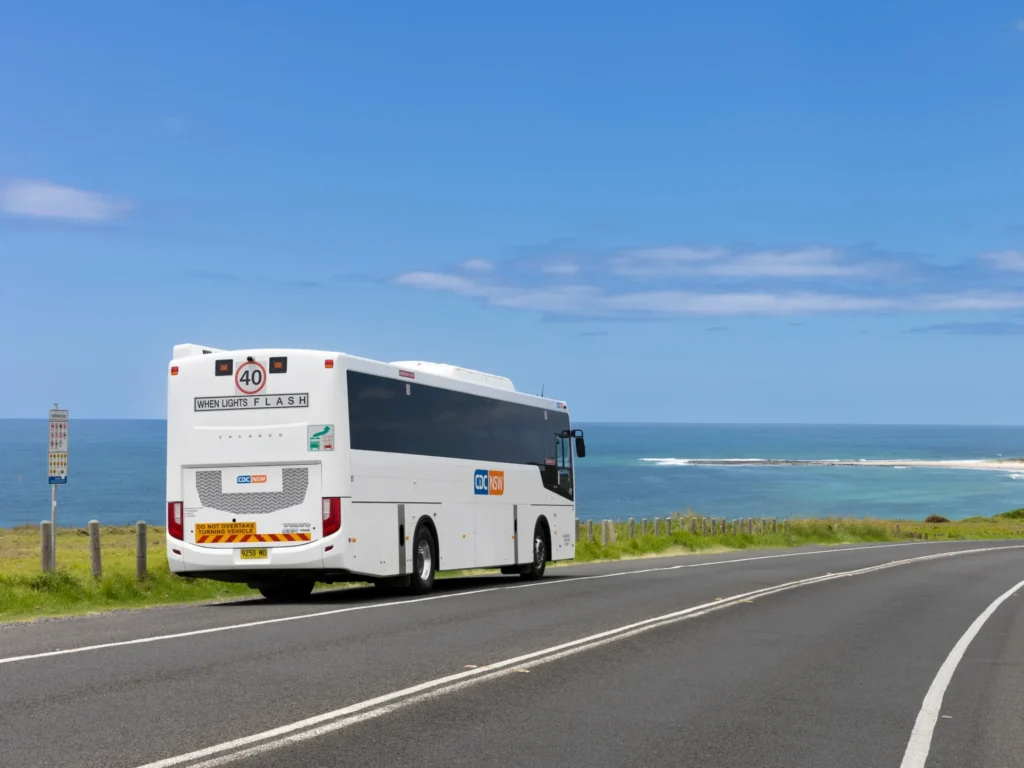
(58, 454)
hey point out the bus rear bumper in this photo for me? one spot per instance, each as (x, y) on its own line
(192, 560)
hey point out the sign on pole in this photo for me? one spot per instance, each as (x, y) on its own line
(58, 446)
(58, 451)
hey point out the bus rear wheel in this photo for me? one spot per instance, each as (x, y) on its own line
(287, 590)
(424, 561)
(540, 555)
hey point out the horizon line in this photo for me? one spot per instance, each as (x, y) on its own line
(631, 423)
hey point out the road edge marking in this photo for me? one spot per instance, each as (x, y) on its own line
(920, 742)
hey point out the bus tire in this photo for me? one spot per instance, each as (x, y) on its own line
(424, 561)
(287, 590)
(535, 570)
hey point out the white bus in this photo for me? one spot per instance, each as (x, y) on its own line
(288, 467)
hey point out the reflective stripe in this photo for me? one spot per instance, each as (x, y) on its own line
(240, 538)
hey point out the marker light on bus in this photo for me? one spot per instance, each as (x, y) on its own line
(175, 525)
(279, 365)
(332, 515)
(328, 363)
(174, 370)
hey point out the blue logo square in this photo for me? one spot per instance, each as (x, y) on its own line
(481, 482)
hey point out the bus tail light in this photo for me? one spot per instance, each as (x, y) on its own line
(175, 523)
(332, 515)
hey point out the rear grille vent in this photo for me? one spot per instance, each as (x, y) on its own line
(294, 482)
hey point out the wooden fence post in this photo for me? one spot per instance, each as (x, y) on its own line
(703, 526)
(632, 528)
(668, 526)
(590, 530)
(643, 526)
(613, 535)
(657, 526)
(897, 530)
(46, 545)
(604, 533)
(140, 550)
(693, 525)
(94, 549)
(775, 525)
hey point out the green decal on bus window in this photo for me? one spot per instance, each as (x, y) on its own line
(321, 437)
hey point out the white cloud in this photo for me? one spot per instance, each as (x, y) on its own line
(967, 301)
(672, 260)
(813, 262)
(438, 281)
(1007, 261)
(43, 199)
(755, 303)
(588, 300)
(680, 261)
(561, 268)
(478, 265)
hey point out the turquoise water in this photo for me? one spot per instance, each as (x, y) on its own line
(117, 471)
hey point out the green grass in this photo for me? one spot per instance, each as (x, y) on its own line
(794, 534)
(26, 593)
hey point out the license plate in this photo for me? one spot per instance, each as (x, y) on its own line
(254, 554)
(224, 529)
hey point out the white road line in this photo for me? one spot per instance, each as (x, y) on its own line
(312, 727)
(467, 593)
(920, 743)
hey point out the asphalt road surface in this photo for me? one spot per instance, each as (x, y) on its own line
(890, 655)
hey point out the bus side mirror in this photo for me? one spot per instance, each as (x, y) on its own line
(581, 447)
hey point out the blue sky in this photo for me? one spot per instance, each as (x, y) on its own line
(726, 212)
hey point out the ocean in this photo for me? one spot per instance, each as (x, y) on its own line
(631, 470)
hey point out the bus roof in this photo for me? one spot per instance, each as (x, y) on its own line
(440, 370)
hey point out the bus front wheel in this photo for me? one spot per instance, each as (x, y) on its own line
(540, 555)
(424, 561)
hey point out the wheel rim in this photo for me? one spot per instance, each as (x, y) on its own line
(539, 552)
(424, 559)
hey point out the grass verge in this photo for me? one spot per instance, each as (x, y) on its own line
(27, 593)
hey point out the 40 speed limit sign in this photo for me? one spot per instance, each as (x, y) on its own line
(250, 378)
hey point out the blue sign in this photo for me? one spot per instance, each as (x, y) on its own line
(58, 480)
(481, 482)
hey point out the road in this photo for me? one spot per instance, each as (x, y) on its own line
(816, 657)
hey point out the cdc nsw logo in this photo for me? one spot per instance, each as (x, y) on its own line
(488, 482)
